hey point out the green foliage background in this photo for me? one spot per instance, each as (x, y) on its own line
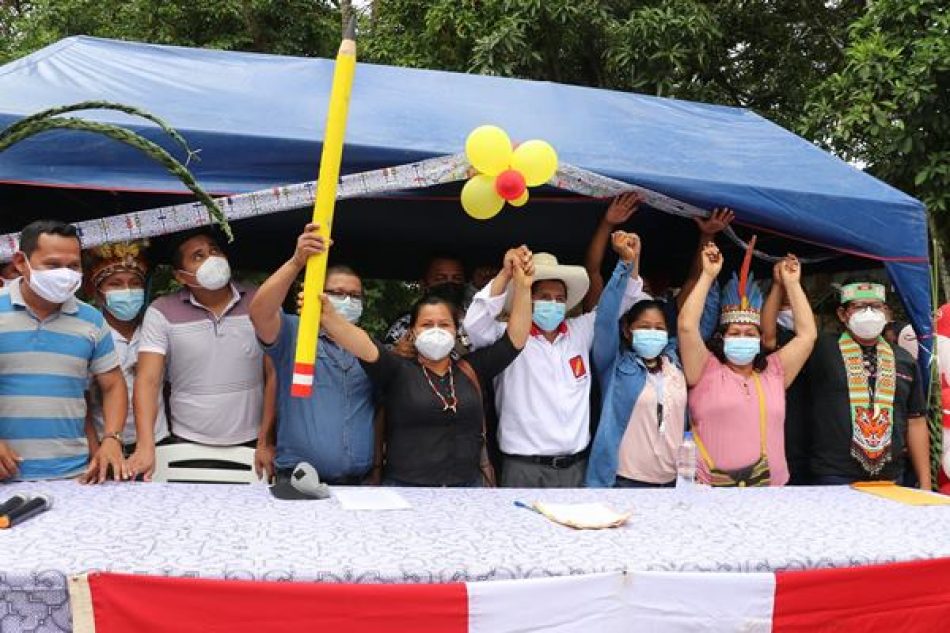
(868, 80)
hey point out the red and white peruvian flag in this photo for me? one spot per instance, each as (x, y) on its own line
(907, 597)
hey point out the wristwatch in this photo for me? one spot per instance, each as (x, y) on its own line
(116, 436)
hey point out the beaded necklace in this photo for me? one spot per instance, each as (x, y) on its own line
(450, 403)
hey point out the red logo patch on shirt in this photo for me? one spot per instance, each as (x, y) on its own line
(577, 366)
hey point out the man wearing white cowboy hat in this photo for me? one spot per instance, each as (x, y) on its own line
(543, 398)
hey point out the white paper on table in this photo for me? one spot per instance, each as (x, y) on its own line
(582, 515)
(371, 499)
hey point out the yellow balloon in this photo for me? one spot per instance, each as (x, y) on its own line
(488, 149)
(536, 160)
(479, 198)
(521, 200)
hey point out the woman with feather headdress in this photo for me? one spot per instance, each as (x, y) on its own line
(737, 392)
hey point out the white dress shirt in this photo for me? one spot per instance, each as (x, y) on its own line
(543, 398)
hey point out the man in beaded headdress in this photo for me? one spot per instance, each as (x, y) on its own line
(116, 279)
(866, 406)
(102, 261)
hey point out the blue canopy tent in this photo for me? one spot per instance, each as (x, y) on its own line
(258, 122)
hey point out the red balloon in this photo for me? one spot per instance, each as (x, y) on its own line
(510, 184)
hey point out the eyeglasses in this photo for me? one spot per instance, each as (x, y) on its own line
(340, 294)
(858, 306)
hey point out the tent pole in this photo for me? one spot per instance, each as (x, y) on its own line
(938, 257)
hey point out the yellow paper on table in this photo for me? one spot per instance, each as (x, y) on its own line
(907, 496)
(582, 516)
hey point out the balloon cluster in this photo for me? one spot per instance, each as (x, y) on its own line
(505, 172)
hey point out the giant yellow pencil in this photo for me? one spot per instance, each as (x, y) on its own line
(330, 158)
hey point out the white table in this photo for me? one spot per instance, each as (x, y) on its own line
(241, 532)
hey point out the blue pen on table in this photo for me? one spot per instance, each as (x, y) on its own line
(522, 504)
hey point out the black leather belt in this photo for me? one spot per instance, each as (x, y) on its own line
(554, 461)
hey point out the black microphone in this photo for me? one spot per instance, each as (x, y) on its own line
(13, 503)
(36, 505)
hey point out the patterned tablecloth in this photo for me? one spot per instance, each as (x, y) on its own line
(241, 532)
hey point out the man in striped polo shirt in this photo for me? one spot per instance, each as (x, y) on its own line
(50, 345)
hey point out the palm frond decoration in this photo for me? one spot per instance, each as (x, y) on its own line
(51, 120)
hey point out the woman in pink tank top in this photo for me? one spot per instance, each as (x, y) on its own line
(737, 393)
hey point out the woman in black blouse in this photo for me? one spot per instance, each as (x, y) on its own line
(433, 409)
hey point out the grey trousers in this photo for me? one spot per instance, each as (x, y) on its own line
(518, 473)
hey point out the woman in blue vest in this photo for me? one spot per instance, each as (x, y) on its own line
(643, 411)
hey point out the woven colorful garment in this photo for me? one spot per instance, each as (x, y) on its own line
(872, 424)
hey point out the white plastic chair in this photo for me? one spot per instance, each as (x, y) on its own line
(169, 466)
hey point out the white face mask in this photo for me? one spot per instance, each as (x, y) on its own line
(56, 285)
(867, 324)
(435, 343)
(213, 274)
(786, 320)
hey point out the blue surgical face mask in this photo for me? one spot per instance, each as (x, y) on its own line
(649, 343)
(125, 304)
(741, 350)
(349, 308)
(548, 315)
